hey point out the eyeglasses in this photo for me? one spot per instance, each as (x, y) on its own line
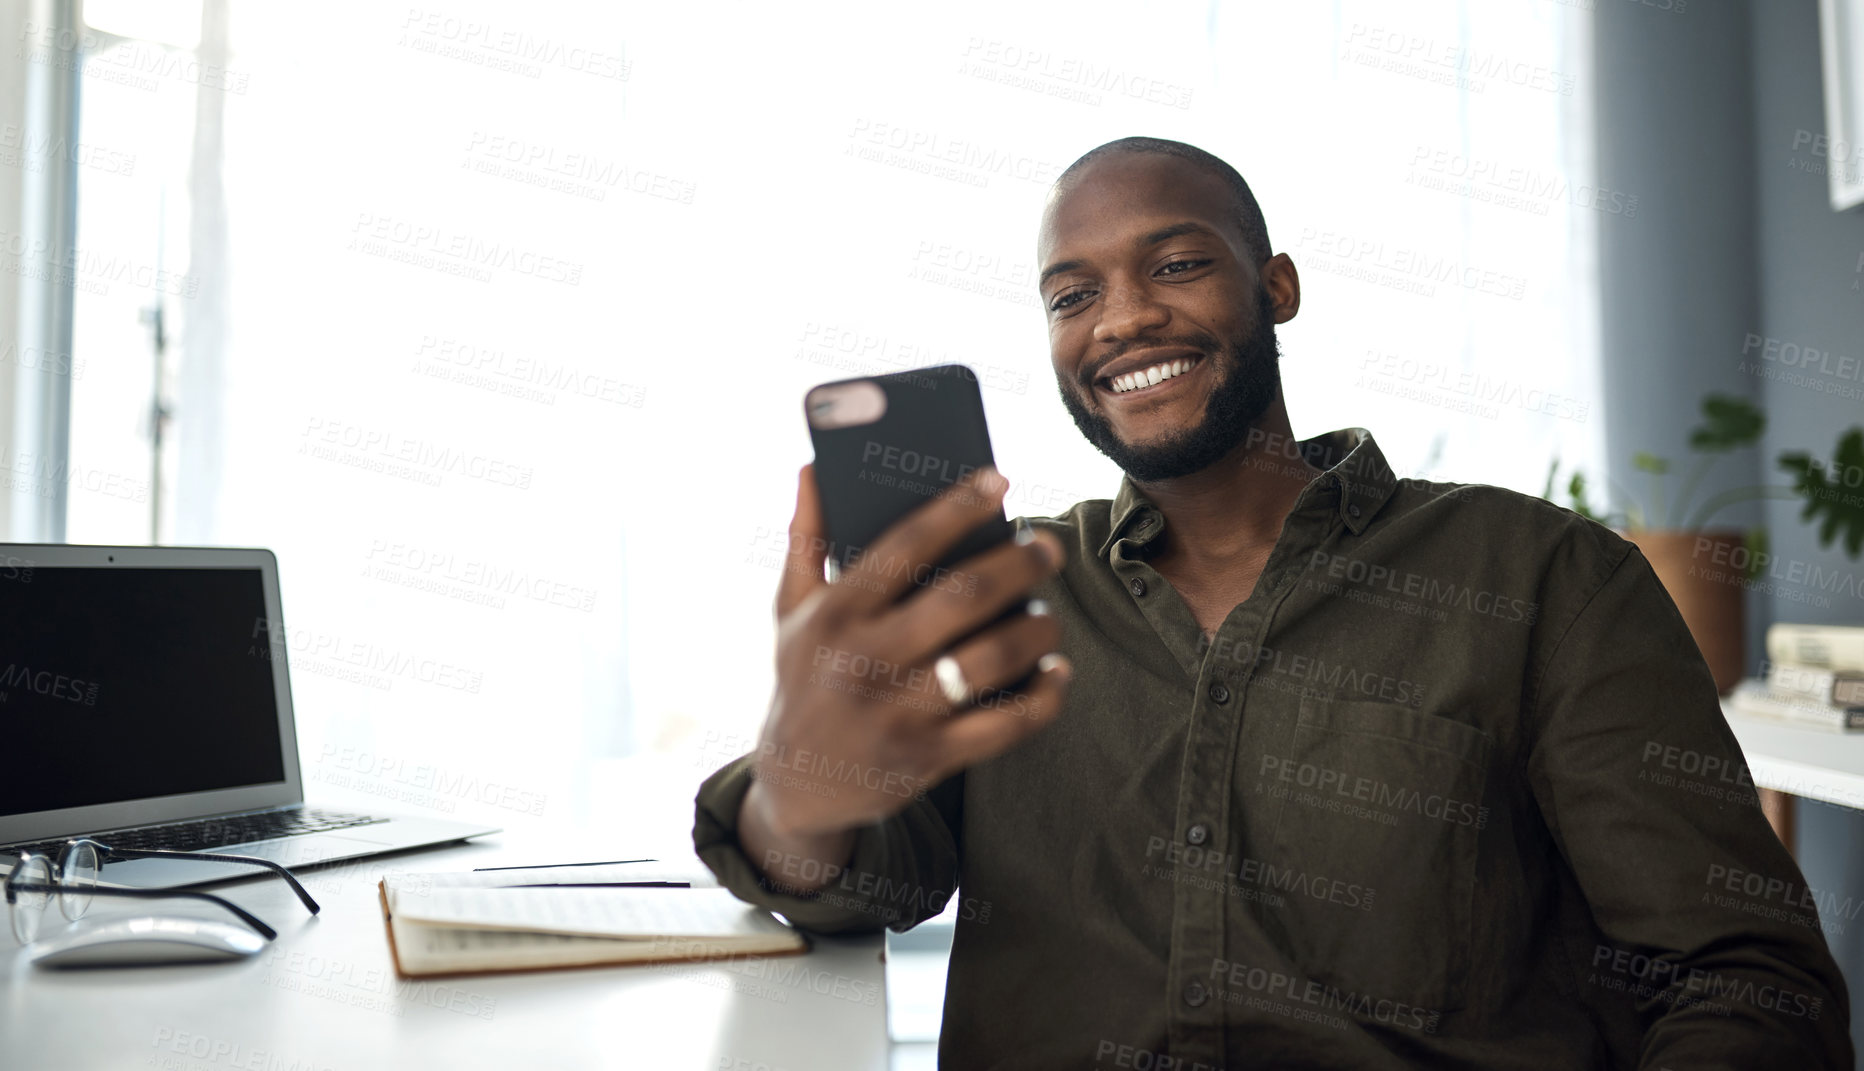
(34, 880)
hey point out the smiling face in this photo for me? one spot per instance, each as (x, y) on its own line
(1161, 330)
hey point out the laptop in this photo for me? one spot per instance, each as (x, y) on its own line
(145, 701)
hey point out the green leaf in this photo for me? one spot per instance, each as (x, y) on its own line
(1839, 498)
(1576, 492)
(1728, 423)
(1755, 540)
(1649, 462)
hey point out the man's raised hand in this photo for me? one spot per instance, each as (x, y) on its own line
(862, 723)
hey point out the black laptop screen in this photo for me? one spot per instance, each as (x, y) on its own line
(121, 684)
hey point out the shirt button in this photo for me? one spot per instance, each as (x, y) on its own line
(1354, 510)
(1219, 693)
(1197, 834)
(1195, 995)
(1138, 585)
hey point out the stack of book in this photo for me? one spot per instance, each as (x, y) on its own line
(1815, 678)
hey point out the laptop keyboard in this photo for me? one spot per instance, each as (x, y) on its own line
(206, 833)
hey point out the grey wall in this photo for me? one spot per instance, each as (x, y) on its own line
(1677, 281)
(1812, 295)
(1701, 114)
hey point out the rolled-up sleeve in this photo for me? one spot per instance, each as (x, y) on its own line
(1646, 792)
(903, 869)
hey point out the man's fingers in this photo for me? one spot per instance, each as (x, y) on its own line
(808, 548)
(976, 590)
(1005, 719)
(1004, 653)
(920, 539)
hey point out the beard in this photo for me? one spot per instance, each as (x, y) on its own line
(1248, 377)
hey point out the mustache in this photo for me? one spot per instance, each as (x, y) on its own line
(1201, 341)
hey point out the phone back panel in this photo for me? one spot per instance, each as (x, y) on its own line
(931, 435)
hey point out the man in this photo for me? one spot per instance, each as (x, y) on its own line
(1353, 772)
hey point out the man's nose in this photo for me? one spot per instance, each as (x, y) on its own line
(1128, 312)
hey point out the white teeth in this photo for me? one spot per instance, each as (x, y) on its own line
(1150, 376)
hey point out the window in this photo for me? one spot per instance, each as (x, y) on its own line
(133, 295)
(494, 323)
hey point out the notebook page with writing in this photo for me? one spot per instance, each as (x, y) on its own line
(617, 912)
(420, 950)
(423, 948)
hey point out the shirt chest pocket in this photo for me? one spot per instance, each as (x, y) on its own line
(1372, 859)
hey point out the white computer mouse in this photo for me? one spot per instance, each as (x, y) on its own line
(143, 940)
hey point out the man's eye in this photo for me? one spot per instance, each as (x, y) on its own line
(1068, 300)
(1179, 267)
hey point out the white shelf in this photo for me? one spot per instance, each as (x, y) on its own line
(1813, 763)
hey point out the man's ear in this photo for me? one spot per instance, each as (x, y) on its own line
(1283, 284)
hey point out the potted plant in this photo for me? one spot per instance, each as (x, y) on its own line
(1706, 569)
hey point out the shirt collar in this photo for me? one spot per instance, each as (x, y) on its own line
(1357, 482)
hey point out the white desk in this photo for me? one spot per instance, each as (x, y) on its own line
(1809, 763)
(324, 997)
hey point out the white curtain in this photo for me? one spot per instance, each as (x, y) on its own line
(523, 301)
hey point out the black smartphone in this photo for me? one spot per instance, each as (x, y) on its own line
(884, 445)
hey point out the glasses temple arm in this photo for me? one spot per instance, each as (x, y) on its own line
(161, 894)
(156, 853)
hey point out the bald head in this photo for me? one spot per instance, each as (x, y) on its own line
(1245, 212)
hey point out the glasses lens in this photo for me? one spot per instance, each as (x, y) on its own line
(77, 876)
(28, 901)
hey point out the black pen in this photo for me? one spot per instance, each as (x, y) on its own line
(604, 885)
(548, 866)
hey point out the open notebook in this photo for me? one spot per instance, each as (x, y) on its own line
(477, 922)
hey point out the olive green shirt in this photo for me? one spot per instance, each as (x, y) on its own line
(1450, 789)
